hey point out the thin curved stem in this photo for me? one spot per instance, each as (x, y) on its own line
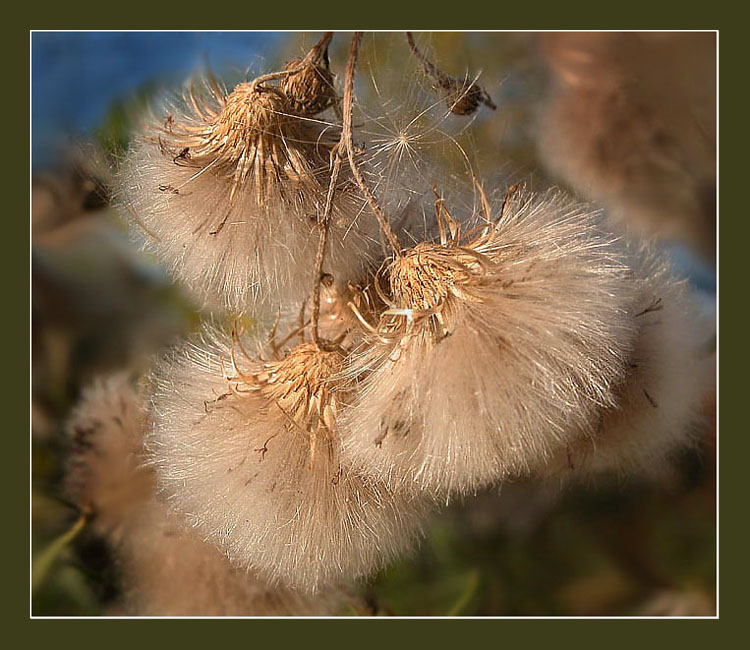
(346, 142)
(323, 224)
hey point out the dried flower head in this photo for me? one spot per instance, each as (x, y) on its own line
(246, 138)
(249, 451)
(660, 402)
(228, 189)
(494, 348)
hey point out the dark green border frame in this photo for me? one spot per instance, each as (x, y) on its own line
(610, 634)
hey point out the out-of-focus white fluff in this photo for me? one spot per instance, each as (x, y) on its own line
(240, 469)
(166, 570)
(238, 244)
(630, 121)
(105, 472)
(532, 354)
(661, 403)
(169, 571)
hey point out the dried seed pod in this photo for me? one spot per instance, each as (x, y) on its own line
(462, 96)
(252, 457)
(245, 138)
(466, 102)
(228, 192)
(495, 348)
(310, 87)
(660, 403)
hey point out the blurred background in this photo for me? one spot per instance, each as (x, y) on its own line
(626, 120)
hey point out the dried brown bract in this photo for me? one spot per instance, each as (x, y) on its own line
(301, 384)
(426, 279)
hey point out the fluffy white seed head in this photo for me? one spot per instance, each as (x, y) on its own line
(228, 191)
(661, 403)
(165, 568)
(495, 349)
(249, 451)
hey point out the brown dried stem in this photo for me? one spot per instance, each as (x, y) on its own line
(323, 224)
(346, 142)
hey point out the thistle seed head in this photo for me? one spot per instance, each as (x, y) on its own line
(227, 191)
(660, 402)
(165, 569)
(105, 472)
(168, 570)
(251, 135)
(531, 307)
(254, 463)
